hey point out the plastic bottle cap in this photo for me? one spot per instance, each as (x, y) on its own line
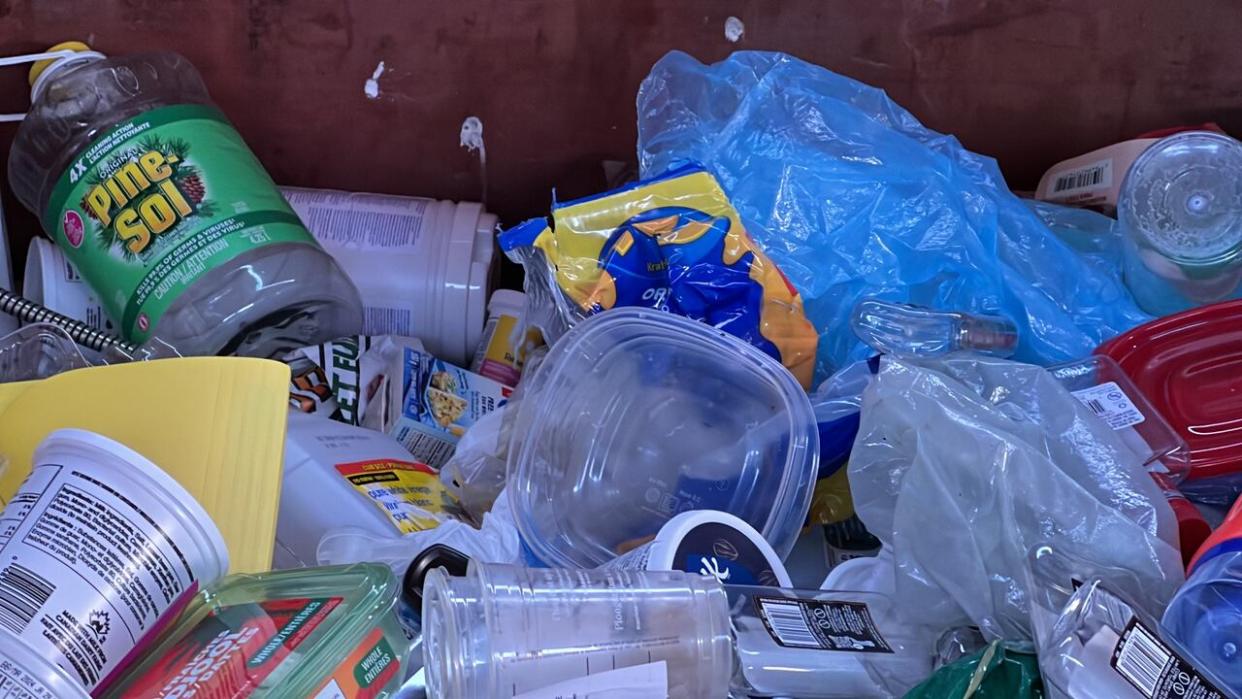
(39, 66)
(454, 562)
(43, 70)
(505, 300)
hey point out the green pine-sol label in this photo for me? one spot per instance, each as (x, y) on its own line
(157, 202)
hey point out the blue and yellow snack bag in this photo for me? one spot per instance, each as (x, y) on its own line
(674, 243)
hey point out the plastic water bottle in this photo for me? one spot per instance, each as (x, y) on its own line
(166, 212)
(1205, 617)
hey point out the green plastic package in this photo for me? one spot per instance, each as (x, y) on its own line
(996, 672)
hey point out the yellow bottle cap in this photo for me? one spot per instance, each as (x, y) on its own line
(39, 66)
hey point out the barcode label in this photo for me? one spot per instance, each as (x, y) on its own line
(790, 627)
(1095, 176)
(1142, 660)
(23, 593)
(1155, 670)
(1109, 402)
(819, 624)
(378, 320)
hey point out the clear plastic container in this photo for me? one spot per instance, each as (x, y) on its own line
(509, 631)
(321, 632)
(167, 214)
(913, 331)
(636, 416)
(1205, 618)
(1099, 383)
(1180, 209)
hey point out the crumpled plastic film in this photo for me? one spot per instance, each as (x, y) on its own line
(496, 541)
(852, 197)
(963, 464)
(672, 243)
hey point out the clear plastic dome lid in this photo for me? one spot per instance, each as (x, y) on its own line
(636, 416)
(1183, 199)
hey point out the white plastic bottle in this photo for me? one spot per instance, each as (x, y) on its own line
(502, 351)
(168, 215)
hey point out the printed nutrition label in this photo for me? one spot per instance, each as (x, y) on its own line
(85, 572)
(360, 221)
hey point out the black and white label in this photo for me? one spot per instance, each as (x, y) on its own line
(1155, 670)
(23, 593)
(1097, 175)
(821, 625)
(1111, 404)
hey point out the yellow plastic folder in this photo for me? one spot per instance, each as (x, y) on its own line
(216, 424)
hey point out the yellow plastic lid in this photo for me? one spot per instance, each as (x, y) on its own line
(39, 66)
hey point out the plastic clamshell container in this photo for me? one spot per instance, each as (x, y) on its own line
(1100, 384)
(1189, 366)
(329, 632)
(636, 416)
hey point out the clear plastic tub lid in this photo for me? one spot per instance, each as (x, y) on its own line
(280, 634)
(1100, 384)
(636, 416)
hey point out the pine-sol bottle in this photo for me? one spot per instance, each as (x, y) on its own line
(167, 214)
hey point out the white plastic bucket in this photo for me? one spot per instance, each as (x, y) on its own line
(25, 674)
(52, 281)
(422, 266)
(99, 549)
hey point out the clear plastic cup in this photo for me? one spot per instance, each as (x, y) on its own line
(1180, 209)
(636, 416)
(509, 631)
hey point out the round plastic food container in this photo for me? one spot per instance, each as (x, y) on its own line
(636, 416)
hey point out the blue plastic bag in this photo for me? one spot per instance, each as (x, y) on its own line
(854, 198)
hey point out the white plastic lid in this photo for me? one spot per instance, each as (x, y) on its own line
(637, 416)
(711, 542)
(506, 302)
(38, 668)
(100, 449)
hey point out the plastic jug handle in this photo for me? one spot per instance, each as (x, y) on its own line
(29, 58)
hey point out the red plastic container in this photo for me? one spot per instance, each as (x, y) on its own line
(1189, 366)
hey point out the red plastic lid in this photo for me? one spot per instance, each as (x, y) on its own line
(1189, 366)
(1192, 528)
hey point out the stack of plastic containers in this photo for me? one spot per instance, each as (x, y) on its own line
(636, 416)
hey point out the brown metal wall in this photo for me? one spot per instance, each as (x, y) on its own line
(1027, 81)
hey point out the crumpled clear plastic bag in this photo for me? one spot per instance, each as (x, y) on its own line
(496, 541)
(963, 464)
(853, 197)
